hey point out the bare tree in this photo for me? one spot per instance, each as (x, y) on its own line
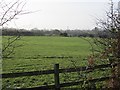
(8, 12)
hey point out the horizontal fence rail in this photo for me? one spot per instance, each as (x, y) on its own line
(33, 73)
(65, 70)
(56, 72)
(65, 84)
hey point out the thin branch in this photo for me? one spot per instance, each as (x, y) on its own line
(6, 12)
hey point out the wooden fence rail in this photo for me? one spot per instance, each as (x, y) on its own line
(65, 70)
(64, 84)
(56, 72)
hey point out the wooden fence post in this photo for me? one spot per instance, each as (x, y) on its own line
(56, 77)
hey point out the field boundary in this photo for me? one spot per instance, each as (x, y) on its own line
(56, 73)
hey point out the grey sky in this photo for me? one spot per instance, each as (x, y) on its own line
(60, 14)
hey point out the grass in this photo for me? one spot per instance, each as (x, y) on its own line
(41, 53)
(52, 46)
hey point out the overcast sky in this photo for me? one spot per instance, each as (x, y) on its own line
(62, 14)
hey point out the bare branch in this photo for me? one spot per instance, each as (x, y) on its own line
(10, 11)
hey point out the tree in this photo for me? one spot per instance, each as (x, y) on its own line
(64, 34)
(8, 12)
(109, 48)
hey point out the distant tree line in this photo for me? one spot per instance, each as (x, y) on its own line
(96, 32)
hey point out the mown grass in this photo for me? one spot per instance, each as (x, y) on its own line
(41, 53)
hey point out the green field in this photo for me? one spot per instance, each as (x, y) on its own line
(41, 53)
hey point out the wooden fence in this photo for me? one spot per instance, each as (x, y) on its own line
(56, 73)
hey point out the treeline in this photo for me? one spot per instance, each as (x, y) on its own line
(96, 32)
